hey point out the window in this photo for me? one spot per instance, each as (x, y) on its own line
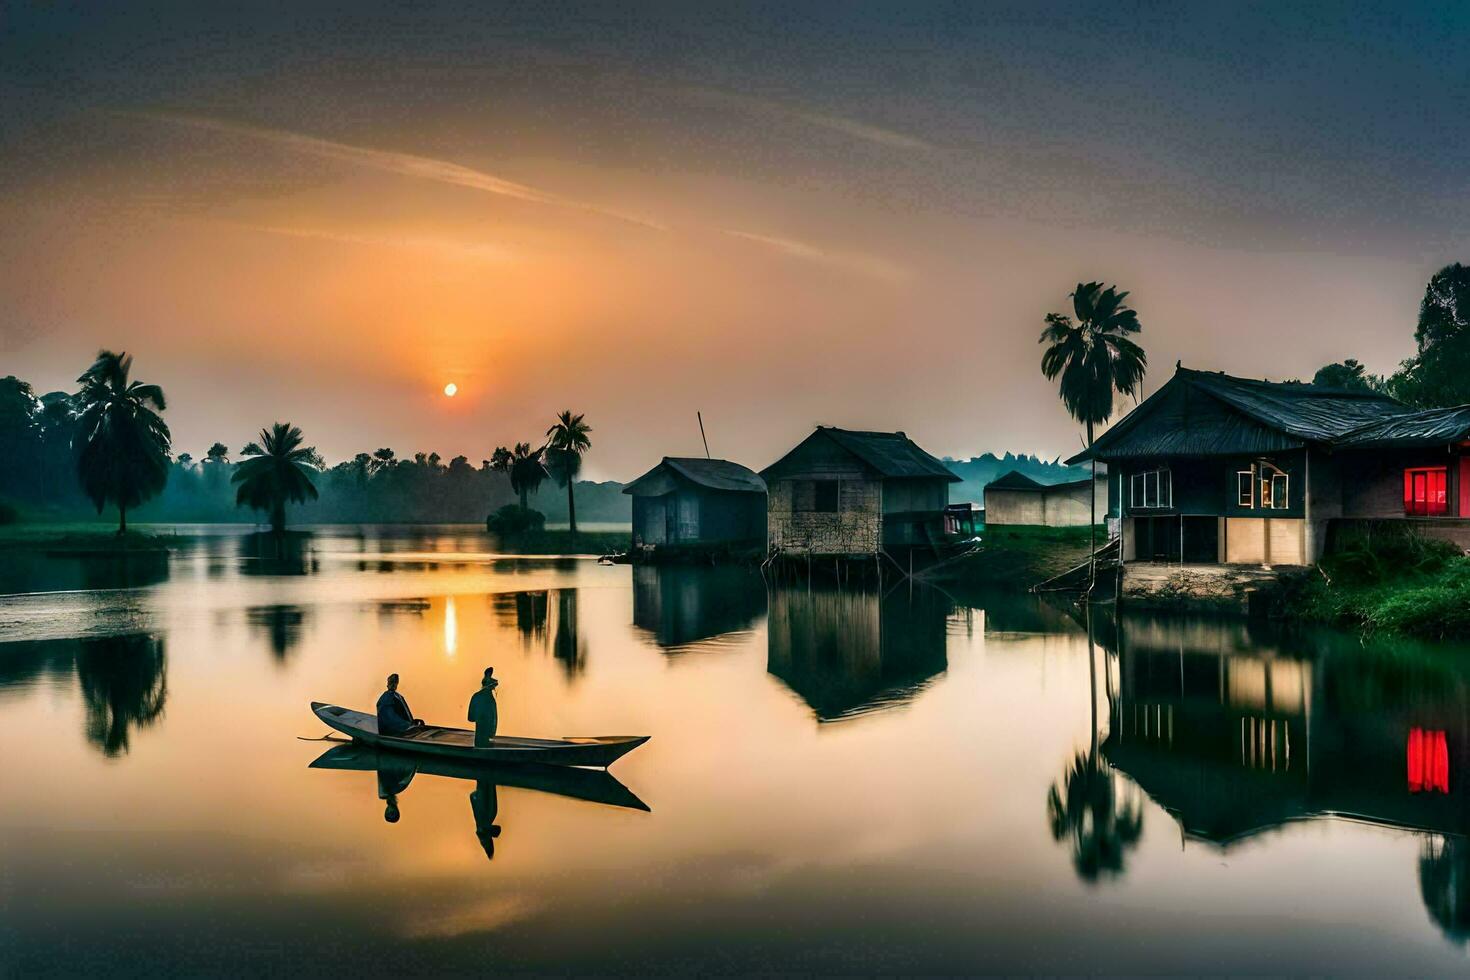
(1153, 489)
(1425, 491)
(1245, 488)
(824, 496)
(1280, 491)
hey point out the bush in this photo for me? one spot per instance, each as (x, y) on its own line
(1386, 554)
(513, 519)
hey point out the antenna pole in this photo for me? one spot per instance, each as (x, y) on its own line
(700, 416)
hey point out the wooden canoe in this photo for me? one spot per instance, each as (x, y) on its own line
(592, 785)
(459, 743)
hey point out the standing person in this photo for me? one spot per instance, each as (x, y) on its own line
(394, 716)
(483, 710)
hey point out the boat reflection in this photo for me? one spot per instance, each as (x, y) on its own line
(395, 771)
(680, 606)
(850, 652)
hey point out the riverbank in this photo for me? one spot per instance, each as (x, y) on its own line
(1017, 557)
(1399, 585)
(84, 539)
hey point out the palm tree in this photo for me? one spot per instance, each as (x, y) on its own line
(121, 443)
(1094, 357)
(217, 453)
(567, 440)
(274, 472)
(525, 466)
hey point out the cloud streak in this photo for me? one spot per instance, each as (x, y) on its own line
(870, 266)
(838, 124)
(395, 162)
(477, 251)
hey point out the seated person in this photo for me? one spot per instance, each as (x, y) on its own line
(394, 717)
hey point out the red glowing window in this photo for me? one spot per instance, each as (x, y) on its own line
(1429, 761)
(1424, 491)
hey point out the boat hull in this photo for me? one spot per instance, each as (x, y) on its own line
(459, 743)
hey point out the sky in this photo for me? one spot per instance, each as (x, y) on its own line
(778, 215)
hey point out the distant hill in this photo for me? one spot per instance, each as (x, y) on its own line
(977, 471)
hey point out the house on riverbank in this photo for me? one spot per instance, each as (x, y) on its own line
(691, 503)
(1016, 499)
(1213, 469)
(844, 493)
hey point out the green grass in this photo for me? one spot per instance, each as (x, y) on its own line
(1397, 584)
(84, 538)
(1018, 557)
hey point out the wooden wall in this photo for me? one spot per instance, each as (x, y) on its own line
(856, 528)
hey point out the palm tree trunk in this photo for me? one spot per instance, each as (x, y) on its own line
(122, 519)
(523, 499)
(278, 517)
(1092, 521)
(571, 507)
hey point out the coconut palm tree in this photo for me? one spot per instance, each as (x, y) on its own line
(1092, 358)
(567, 440)
(275, 471)
(120, 442)
(525, 466)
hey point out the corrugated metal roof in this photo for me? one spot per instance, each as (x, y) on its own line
(892, 454)
(1432, 427)
(716, 474)
(1313, 413)
(1185, 418)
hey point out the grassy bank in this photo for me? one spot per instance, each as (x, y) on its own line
(1017, 558)
(1399, 583)
(563, 542)
(84, 539)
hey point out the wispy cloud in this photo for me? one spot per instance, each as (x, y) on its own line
(868, 265)
(476, 251)
(395, 162)
(839, 124)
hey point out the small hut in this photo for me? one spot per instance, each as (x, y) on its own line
(844, 493)
(691, 502)
(1018, 499)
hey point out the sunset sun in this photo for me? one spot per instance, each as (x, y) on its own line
(451, 389)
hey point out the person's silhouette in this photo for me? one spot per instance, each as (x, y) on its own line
(394, 716)
(483, 710)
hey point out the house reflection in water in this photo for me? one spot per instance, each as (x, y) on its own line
(1236, 735)
(681, 606)
(846, 652)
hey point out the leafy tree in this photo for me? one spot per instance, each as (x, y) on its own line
(1445, 310)
(1350, 375)
(383, 460)
(525, 466)
(277, 472)
(1092, 359)
(567, 440)
(121, 442)
(217, 453)
(185, 460)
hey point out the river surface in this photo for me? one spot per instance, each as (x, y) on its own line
(837, 781)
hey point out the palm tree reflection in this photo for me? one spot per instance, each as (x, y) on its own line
(124, 687)
(1444, 884)
(1086, 806)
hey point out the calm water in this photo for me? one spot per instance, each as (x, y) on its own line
(837, 781)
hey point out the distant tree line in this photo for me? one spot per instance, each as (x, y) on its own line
(71, 455)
